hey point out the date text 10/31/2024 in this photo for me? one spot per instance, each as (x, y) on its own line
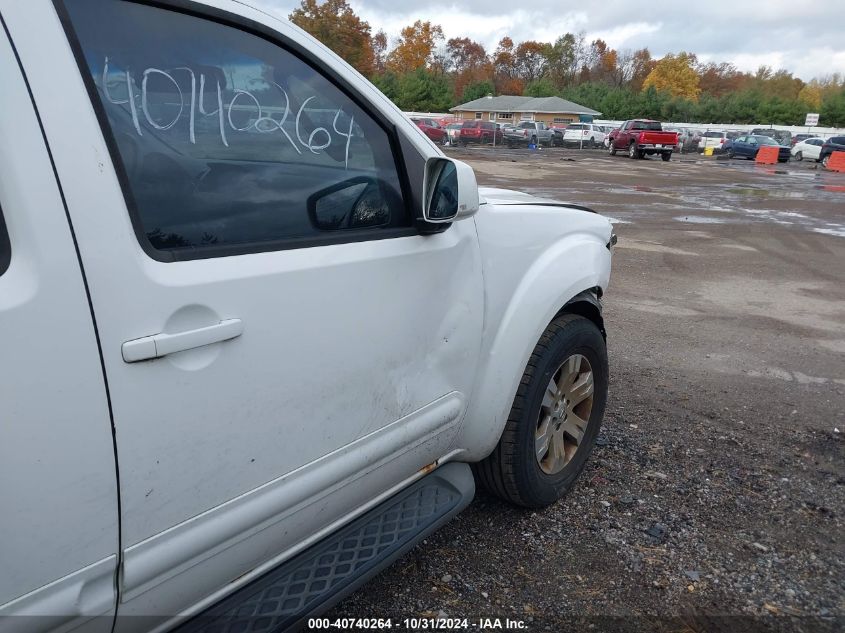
(416, 624)
(318, 139)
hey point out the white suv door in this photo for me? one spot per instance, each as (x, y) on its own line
(282, 343)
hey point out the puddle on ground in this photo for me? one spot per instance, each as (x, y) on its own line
(699, 219)
(765, 193)
(838, 232)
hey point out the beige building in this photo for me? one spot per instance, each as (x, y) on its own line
(511, 109)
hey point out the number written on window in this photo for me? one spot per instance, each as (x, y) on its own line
(228, 139)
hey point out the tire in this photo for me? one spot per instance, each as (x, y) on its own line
(633, 152)
(730, 153)
(592, 142)
(666, 156)
(512, 471)
(826, 160)
(534, 141)
(783, 160)
(610, 149)
(799, 156)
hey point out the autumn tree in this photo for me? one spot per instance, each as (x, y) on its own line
(469, 61)
(415, 48)
(781, 84)
(641, 66)
(602, 62)
(505, 73)
(721, 79)
(811, 95)
(335, 24)
(564, 59)
(531, 60)
(675, 75)
(379, 45)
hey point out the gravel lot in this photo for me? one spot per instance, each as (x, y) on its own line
(715, 498)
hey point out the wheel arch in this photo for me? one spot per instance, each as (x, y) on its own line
(588, 305)
(539, 300)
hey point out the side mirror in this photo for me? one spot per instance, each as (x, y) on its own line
(451, 191)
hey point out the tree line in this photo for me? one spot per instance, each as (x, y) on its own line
(422, 71)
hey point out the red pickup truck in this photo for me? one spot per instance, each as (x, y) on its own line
(643, 136)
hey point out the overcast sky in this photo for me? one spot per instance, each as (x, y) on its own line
(804, 36)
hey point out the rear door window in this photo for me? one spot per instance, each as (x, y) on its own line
(227, 142)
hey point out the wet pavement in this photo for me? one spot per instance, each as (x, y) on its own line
(725, 420)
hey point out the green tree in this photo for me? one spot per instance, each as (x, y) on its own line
(540, 88)
(477, 90)
(832, 111)
(422, 91)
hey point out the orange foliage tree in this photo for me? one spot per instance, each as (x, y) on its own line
(469, 62)
(415, 48)
(335, 24)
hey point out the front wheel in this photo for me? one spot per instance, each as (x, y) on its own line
(826, 160)
(730, 153)
(555, 418)
(799, 156)
(610, 149)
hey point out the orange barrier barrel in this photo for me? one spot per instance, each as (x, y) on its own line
(767, 155)
(836, 162)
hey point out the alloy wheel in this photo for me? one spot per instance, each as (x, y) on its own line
(564, 414)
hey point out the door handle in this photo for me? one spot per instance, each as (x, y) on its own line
(159, 345)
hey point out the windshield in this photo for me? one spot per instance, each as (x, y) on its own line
(765, 140)
(714, 134)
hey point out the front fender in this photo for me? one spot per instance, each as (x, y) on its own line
(523, 295)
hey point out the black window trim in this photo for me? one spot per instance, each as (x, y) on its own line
(232, 20)
(5, 245)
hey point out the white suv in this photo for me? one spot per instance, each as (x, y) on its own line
(589, 134)
(257, 329)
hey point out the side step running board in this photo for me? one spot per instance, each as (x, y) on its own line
(327, 572)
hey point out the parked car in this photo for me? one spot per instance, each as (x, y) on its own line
(529, 133)
(610, 136)
(808, 148)
(687, 138)
(641, 137)
(432, 130)
(256, 329)
(453, 133)
(748, 146)
(797, 138)
(714, 139)
(478, 131)
(588, 134)
(783, 137)
(833, 144)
